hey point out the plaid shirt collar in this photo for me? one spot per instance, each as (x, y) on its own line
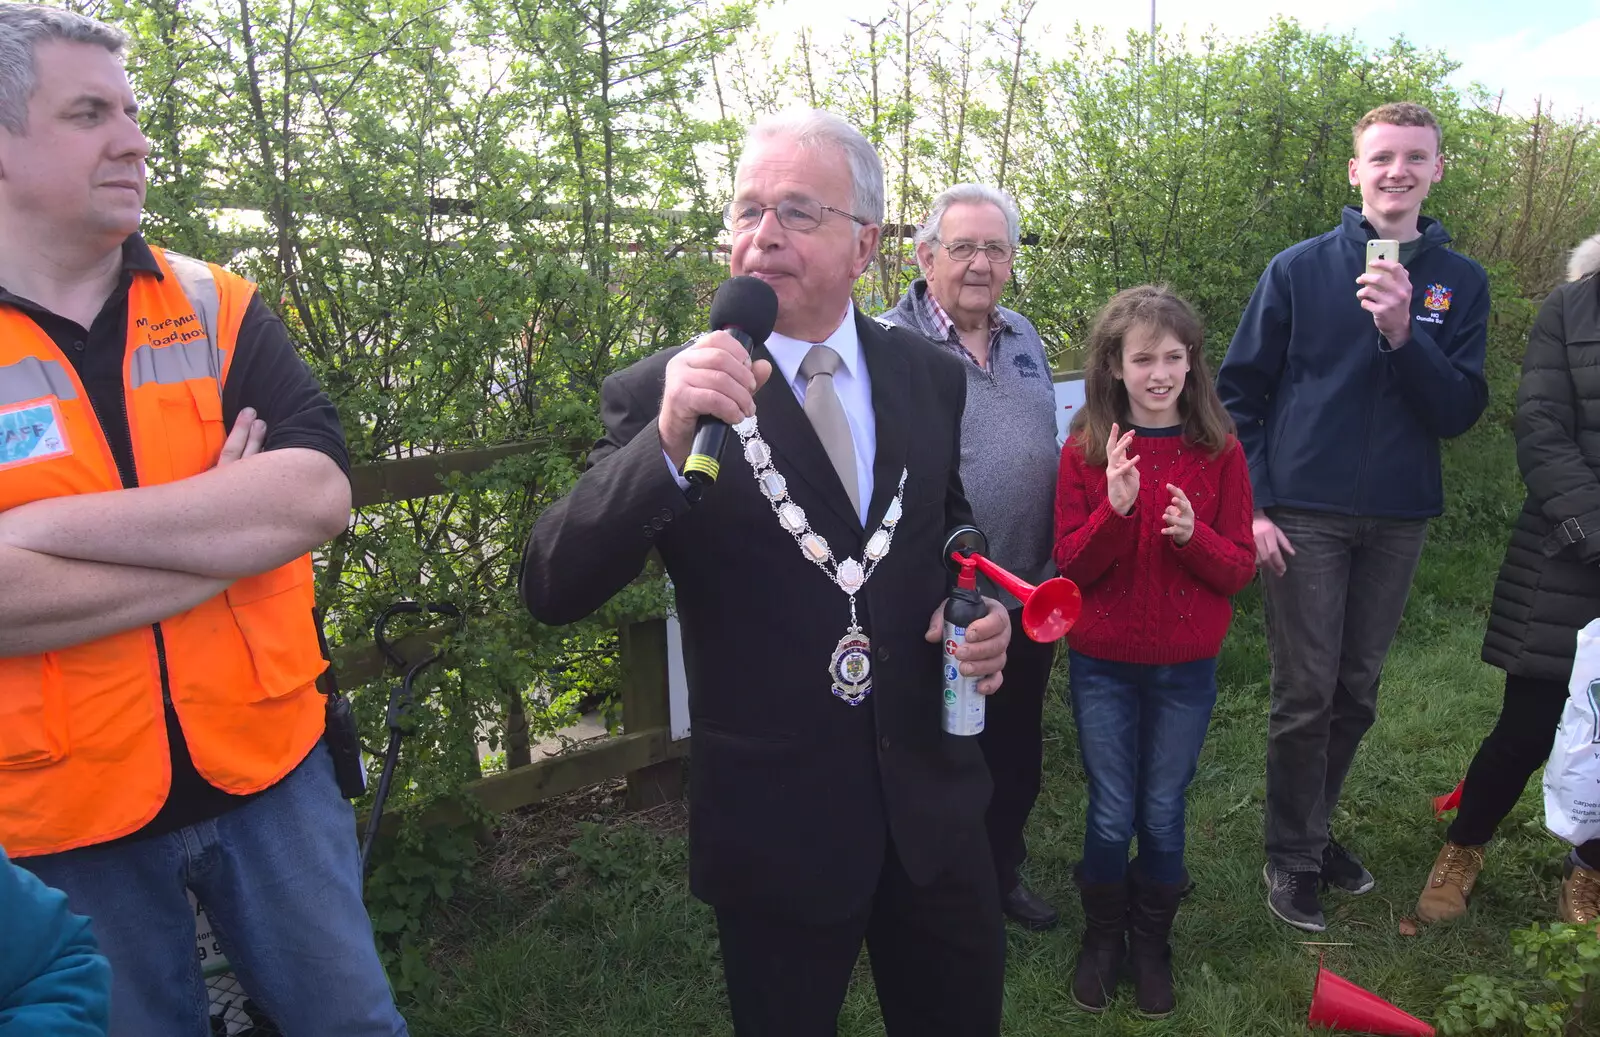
(940, 321)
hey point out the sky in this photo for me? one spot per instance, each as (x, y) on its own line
(1528, 48)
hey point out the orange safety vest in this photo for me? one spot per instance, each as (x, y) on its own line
(83, 742)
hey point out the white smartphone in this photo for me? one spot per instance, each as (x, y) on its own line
(1382, 248)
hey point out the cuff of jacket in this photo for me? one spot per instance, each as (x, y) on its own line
(1569, 532)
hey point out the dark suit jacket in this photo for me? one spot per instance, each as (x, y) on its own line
(793, 791)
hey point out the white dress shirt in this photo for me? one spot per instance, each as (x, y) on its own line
(851, 382)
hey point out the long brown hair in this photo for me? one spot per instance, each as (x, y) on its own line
(1159, 311)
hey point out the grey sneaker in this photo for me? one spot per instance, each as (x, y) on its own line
(1292, 896)
(1342, 870)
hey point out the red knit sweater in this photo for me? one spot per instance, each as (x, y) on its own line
(1146, 600)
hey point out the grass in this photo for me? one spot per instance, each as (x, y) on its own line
(576, 927)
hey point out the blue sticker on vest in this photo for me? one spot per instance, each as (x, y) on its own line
(30, 432)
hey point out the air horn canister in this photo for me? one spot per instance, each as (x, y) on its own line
(1048, 612)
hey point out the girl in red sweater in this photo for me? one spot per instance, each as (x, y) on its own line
(1153, 524)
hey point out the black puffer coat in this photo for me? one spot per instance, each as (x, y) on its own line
(1549, 584)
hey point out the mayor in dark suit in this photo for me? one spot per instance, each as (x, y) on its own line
(828, 805)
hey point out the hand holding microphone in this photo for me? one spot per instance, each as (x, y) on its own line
(712, 384)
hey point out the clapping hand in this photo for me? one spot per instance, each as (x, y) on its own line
(1122, 471)
(1179, 517)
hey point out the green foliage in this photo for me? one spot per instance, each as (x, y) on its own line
(470, 212)
(412, 874)
(556, 947)
(1559, 964)
(465, 214)
(1190, 162)
(629, 862)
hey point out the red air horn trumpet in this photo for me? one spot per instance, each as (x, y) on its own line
(1048, 610)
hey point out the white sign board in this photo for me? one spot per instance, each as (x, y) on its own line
(677, 682)
(1069, 399)
(232, 1012)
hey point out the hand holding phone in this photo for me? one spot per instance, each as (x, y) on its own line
(1386, 294)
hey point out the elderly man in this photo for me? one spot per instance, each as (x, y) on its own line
(1008, 466)
(829, 805)
(160, 724)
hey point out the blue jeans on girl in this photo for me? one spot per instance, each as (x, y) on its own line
(1140, 729)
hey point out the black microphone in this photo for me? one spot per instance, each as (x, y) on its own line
(746, 308)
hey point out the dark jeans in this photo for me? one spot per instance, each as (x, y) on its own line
(1519, 745)
(1140, 729)
(1013, 746)
(1330, 620)
(937, 953)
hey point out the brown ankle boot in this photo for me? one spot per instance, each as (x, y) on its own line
(1450, 882)
(1152, 906)
(1105, 943)
(1580, 895)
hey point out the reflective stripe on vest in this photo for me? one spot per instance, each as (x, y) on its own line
(179, 362)
(83, 747)
(32, 378)
(198, 358)
(199, 285)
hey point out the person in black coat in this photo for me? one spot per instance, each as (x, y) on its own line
(1548, 589)
(828, 805)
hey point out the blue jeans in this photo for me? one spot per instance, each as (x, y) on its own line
(280, 880)
(1140, 729)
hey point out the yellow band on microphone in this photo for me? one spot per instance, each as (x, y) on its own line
(704, 464)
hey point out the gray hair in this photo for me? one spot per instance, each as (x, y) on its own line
(974, 194)
(23, 27)
(813, 128)
(1585, 259)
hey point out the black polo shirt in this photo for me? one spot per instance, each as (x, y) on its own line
(266, 374)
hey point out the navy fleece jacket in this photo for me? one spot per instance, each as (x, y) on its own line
(1331, 418)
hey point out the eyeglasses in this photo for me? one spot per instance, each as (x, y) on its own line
(797, 214)
(962, 251)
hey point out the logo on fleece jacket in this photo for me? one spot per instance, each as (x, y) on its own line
(1437, 301)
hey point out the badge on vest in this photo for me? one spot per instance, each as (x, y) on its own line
(32, 431)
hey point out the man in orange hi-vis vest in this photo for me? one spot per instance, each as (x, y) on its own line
(167, 464)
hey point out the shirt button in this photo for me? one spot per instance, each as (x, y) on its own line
(883, 654)
(657, 522)
(883, 743)
(77, 344)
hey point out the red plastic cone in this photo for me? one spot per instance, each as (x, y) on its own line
(1338, 1004)
(1444, 804)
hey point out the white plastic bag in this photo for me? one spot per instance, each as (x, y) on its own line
(1572, 776)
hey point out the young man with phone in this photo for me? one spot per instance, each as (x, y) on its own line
(1361, 350)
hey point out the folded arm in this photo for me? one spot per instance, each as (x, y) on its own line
(233, 521)
(52, 603)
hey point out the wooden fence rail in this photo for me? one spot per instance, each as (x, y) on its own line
(645, 753)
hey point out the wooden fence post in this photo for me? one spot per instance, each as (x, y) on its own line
(645, 705)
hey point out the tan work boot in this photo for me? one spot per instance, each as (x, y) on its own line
(1450, 882)
(1580, 895)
